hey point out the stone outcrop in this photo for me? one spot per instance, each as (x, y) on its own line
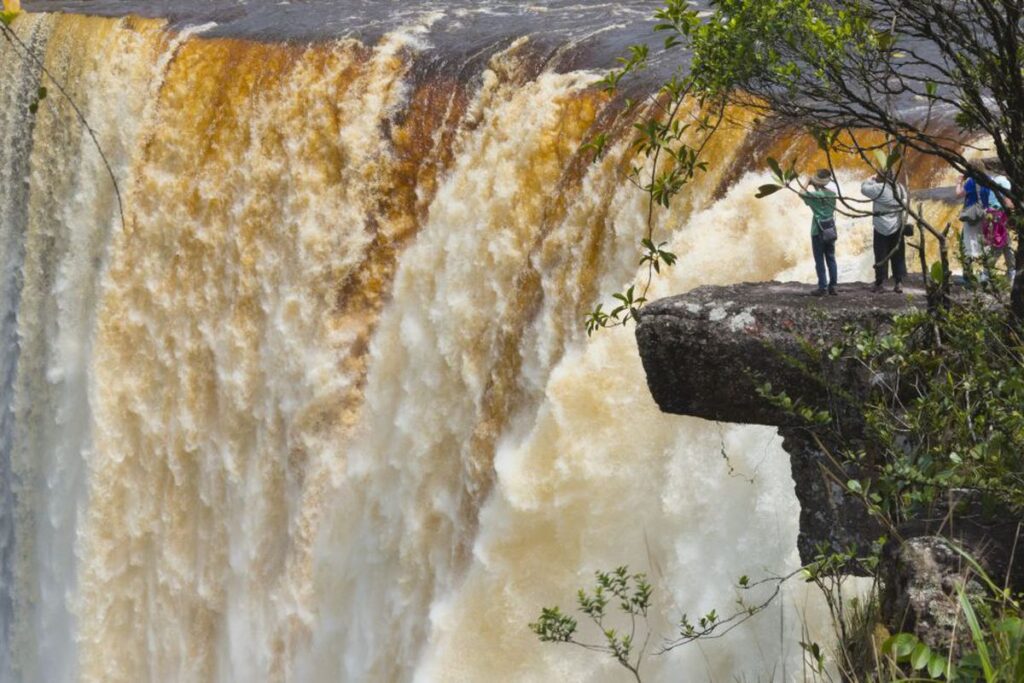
(707, 352)
(920, 592)
(923, 572)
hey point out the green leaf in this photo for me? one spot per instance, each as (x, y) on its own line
(936, 665)
(976, 633)
(920, 656)
(1012, 625)
(900, 645)
(766, 190)
(597, 144)
(881, 159)
(892, 159)
(937, 273)
(7, 17)
(42, 93)
(885, 40)
(776, 169)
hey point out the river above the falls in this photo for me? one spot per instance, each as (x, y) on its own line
(587, 34)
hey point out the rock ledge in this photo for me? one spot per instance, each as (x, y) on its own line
(706, 351)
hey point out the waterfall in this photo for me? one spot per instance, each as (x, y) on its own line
(321, 406)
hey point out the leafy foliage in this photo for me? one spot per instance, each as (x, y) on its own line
(630, 593)
(905, 648)
(667, 148)
(946, 411)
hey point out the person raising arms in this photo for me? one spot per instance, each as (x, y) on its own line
(819, 193)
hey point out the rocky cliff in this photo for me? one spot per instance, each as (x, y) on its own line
(708, 351)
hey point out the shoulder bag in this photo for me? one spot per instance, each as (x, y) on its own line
(828, 230)
(976, 211)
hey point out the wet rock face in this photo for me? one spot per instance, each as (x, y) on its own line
(828, 517)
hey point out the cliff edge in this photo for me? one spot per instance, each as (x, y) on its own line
(706, 353)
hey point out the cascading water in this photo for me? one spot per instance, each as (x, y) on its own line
(322, 408)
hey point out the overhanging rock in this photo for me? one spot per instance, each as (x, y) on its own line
(706, 352)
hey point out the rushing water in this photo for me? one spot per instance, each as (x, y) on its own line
(322, 408)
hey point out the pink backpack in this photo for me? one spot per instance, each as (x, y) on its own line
(995, 232)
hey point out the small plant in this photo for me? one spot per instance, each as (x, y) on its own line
(944, 415)
(630, 594)
(905, 649)
(668, 145)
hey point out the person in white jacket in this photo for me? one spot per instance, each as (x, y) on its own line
(888, 199)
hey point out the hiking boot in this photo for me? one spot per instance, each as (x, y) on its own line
(898, 289)
(817, 292)
(877, 288)
(832, 291)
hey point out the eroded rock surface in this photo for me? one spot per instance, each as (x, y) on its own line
(707, 351)
(922, 576)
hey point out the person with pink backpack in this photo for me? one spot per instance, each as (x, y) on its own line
(985, 218)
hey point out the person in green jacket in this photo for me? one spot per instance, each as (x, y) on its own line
(820, 193)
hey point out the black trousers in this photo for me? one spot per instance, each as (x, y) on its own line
(890, 249)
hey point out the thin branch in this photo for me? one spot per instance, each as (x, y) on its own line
(28, 55)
